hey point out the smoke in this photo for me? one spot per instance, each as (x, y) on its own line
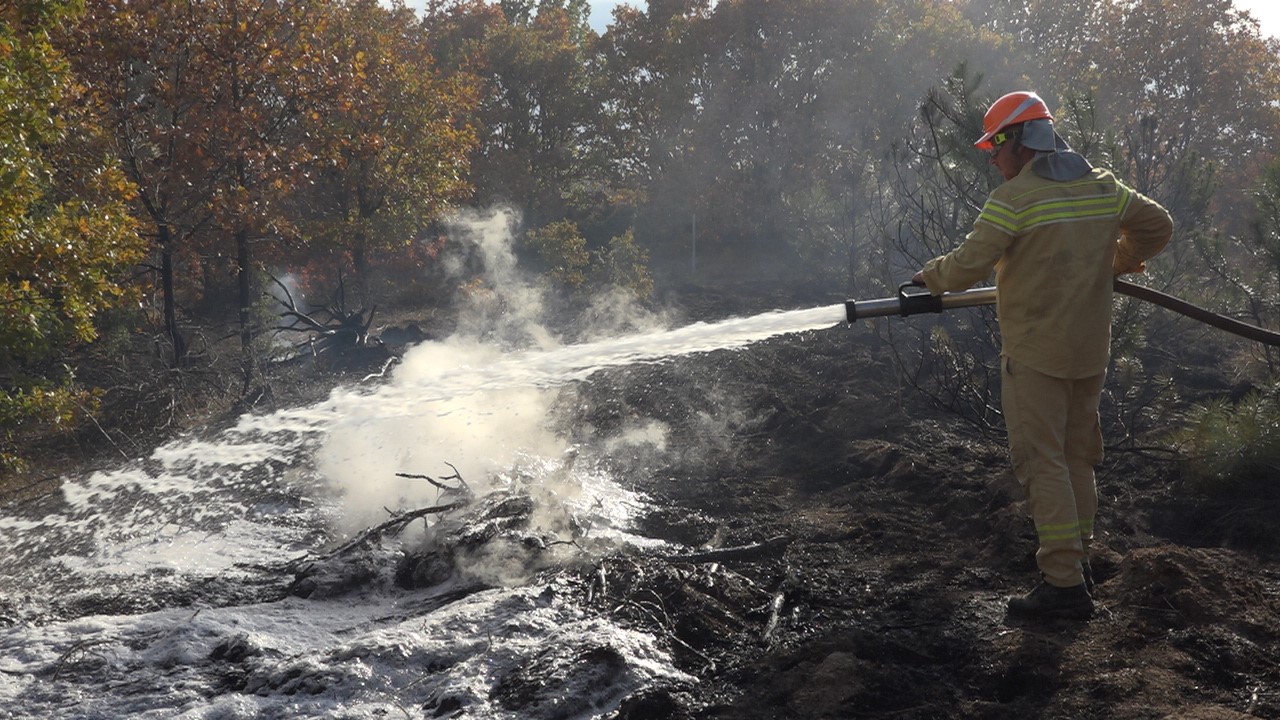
(287, 291)
(506, 403)
(499, 305)
(441, 410)
(288, 294)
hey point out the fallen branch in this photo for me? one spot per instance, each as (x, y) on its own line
(82, 647)
(383, 372)
(393, 526)
(669, 632)
(339, 329)
(462, 485)
(772, 546)
(399, 521)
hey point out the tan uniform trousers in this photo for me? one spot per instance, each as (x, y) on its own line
(1055, 440)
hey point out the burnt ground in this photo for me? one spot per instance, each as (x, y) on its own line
(899, 537)
(881, 540)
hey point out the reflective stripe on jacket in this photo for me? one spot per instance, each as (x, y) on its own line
(1055, 247)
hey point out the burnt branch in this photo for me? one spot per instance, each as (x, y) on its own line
(394, 526)
(328, 327)
(462, 487)
(770, 547)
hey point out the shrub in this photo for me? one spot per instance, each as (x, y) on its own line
(1232, 466)
(561, 246)
(1228, 445)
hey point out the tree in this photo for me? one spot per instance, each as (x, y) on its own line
(537, 105)
(939, 186)
(271, 68)
(1203, 83)
(66, 236)
(799, 98)
(1197, 77)
(146, 68)
(652, 64)
(392, 148)
(1258, 253)
(563, 250)
(206, 100)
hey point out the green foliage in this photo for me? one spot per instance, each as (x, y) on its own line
(1262, 245)
(49, 406)
(1267, 196)
(1231, 457)
(1136, 400)
(572, 266)
(626, 265)
(65, 233)
(564, 251)
(1229, 446)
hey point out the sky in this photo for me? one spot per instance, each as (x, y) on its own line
(1267, 13)
(602, 11)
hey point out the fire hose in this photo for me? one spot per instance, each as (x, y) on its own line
(914, 299)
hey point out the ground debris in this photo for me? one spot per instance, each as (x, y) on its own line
(753, 551)
(705, 611)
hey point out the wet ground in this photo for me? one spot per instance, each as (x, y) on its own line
(841, 549)
(906, 537)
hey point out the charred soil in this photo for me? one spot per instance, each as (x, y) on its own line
(905, 536)
(840, 549)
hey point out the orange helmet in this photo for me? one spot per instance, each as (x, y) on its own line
(1014, 108)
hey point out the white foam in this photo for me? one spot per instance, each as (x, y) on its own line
(233, 509)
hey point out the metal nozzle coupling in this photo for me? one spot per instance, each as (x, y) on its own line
(914, 302)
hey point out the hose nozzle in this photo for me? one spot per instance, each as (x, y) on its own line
(915, 301)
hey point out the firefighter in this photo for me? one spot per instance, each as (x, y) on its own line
(1056, 232)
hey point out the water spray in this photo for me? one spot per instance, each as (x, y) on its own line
(914, 299)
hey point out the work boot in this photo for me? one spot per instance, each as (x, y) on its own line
(1051, 601)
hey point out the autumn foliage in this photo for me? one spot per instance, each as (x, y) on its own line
(67, 239)
(178, 153)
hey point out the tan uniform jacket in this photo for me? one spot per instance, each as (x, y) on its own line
(1056, 247)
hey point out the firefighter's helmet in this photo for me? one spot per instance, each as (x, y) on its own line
(1011, 109)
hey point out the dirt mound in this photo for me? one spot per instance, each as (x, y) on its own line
(908, 537)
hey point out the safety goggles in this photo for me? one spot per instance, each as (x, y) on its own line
(999, 139)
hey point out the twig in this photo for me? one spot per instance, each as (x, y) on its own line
(393, 526)
(775, 609)
(738, 552)
(82, 646)
(669, 633)
(448, 488)
(428, 478)
(96, 424)
(382, 373)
